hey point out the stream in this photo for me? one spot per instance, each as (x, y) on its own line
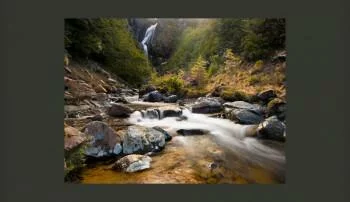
(225, 154)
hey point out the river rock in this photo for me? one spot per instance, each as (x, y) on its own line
(72, 138)
(182, 118)
(272, 128)
(133, 163)
(103, 140)
(267, 95)
(118, 99)
(146, 90)
(245, 105)
(153, 96)
(205, 105)
(244, 112)
(119, 110)
(277, 107)
(139, 139)
(243, 116)
(166, 134)
(188, 132)
(171, 99)
(162, 112)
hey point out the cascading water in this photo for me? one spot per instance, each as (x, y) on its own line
(229, 135)
(148, 37)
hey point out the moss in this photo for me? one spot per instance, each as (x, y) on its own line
(236, 95)
(195, 93)
(75, 161)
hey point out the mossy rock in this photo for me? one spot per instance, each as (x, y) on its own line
(74, 162)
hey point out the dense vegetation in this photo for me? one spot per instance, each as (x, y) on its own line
(109, 42)
(190, 56)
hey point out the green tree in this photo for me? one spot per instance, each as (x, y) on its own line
(199, 73)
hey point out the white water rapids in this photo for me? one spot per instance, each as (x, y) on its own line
(229, 135)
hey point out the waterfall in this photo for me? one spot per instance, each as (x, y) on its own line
(148, 36)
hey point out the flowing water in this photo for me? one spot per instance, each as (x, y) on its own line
(224, 155)
(148, 36)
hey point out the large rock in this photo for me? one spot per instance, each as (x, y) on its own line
(104, 141)
(153, 96)
(166, 134)
(277, 107)
(245, 105)
(139, 139)
(272, 128)
(133, 163)
(162, 112)
(244, 112)
(146, 90)
(205, 105)
(74, 145)
(243, 116)
(266, 96)
(171, 99)
(72, 138)
(119, 110)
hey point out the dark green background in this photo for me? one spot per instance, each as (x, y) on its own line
(32, 126)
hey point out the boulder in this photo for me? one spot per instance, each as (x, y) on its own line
(245, 105)
(74, 145)
(272, 128)
(277, 107)
(244, 112)
(166, 134)
(162, 112)
(266, 96)
(153, 96)
(119, 110)
(72, 138)
(205, 105)
(139, 139)
(103, 140)
(171, 99)
(243, 116)
(133, 163)
(146, 90)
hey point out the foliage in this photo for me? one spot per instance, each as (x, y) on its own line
(75, 160)
(172, 83)
(198, 72)
(109, 42)
(231, 61)
(197, 40)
